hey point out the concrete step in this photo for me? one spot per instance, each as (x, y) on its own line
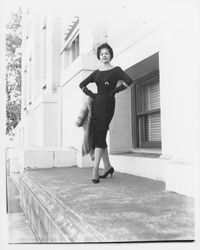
(50, 218)
(63, 205)
(19, 230)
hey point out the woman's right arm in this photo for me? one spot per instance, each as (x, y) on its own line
(85, 82)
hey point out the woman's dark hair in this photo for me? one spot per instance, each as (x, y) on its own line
(105, 46)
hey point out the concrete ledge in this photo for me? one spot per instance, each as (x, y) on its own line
(181, 178)
(19, 160)
(83, 161)
(19, 231)
(153, 168)
(15, 179)
(64, 158)
(12, 159)
(163, 168)
(63, 205)
(36, 159)
(50, 219)
(49, 157)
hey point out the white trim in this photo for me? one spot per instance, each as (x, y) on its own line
(147, 150)
(70, 39)
(125, 85)
(44, 24)
(83, 62)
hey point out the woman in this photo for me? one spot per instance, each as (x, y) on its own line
(103, 106)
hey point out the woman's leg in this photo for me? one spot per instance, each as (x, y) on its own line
(98, 152)
(106, 161)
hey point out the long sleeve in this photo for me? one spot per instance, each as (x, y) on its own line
(126, 78)
(127, 81)
(85, 82)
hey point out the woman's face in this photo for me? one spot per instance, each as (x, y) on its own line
(104, 55)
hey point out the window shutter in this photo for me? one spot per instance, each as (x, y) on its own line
(151, 96)
(151, 102)
(148, 111)
(153, 129)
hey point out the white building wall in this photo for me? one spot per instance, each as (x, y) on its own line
(36, 60)
(131, 46)
(179, 63)
(173, 38)
(40, 125)
(179, 78)
(56, 47)
(50, 123)
(121, 124)
(86, 30)
(135, 30)
(43, 122)
(72, 101)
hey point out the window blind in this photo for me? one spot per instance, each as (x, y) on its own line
(152, 120)
(148, 110)
(151, 96)
(152, 127)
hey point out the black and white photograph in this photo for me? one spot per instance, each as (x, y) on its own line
(101, 123)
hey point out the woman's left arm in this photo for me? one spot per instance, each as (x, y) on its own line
(127, 81)
(126, 78)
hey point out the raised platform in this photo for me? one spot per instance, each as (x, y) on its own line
(63, 205)
(19, 160)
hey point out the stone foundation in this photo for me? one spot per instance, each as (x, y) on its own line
(50, 219)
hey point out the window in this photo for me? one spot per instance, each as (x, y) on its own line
(147, 110)
(75, 48)
(44, 54)
(30, 80)
(25, 82)
(71, 52)
(70, 49)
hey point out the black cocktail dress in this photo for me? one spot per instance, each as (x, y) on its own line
(103, 105)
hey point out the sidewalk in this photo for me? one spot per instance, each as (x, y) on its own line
(122, 208)
(18, 227)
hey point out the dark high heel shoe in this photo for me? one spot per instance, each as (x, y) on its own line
(110, 171)
(95, 181)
